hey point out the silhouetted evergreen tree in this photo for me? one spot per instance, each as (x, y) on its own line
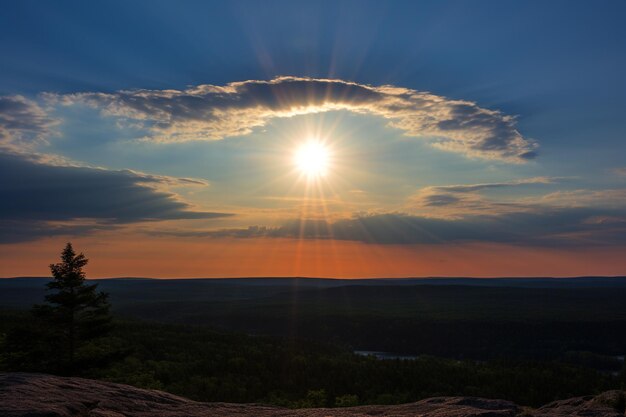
(74, 314)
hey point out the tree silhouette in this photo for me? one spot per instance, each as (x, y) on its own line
(75, 313)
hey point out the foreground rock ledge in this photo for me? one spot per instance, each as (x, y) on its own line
(37, 395)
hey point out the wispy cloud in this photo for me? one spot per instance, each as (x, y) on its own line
(455, 201)
(465, 188)
(621, 171)
(23, 122)
(209, 112)
(612, 197)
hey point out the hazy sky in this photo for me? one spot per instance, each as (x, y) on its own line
(197, 139)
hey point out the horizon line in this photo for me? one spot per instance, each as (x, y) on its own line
(519, 277)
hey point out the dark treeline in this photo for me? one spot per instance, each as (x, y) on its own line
(452, 321)
(205, 365)
(471, 339)
(456, 321)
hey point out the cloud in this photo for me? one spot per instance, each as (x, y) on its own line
(209, 112)
(459, 213)
(16, 231)
(548, 226)
(23, 122)
(455, 201)
(613, 198)
(43, 199)
(620, 171)
(465, 188)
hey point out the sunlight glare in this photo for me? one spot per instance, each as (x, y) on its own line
(312, 159)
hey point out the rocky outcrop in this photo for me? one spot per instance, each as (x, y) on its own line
(36, 395)
(610, 403)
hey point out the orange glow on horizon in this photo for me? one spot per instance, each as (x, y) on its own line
(232, 257)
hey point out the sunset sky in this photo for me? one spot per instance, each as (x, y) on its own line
(334, 139)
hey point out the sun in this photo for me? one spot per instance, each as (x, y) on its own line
(312, 159)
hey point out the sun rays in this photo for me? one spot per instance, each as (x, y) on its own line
(312, 159)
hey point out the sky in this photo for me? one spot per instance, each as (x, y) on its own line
(327, 138)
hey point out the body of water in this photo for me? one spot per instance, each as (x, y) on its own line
(385, 355)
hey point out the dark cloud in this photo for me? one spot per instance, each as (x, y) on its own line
(39, 199)
(208, 112)
(440, 199)
(550, 226)
(15, 231)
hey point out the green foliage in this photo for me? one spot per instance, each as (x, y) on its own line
(347, 400)
(68, 333)
(3, 359)
(211, 366)
(314, 399)
(28, 348)
(592, 360)
(206, 365)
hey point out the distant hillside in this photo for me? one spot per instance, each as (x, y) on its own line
(453, 317)
(24, 291)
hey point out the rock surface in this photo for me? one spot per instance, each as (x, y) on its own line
(37, 395)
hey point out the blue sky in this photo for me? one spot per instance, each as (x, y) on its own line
(532, 93)
(558, 66)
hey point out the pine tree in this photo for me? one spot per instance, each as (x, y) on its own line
(75, 313)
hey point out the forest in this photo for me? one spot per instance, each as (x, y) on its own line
(208, 365)
(294, 342)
